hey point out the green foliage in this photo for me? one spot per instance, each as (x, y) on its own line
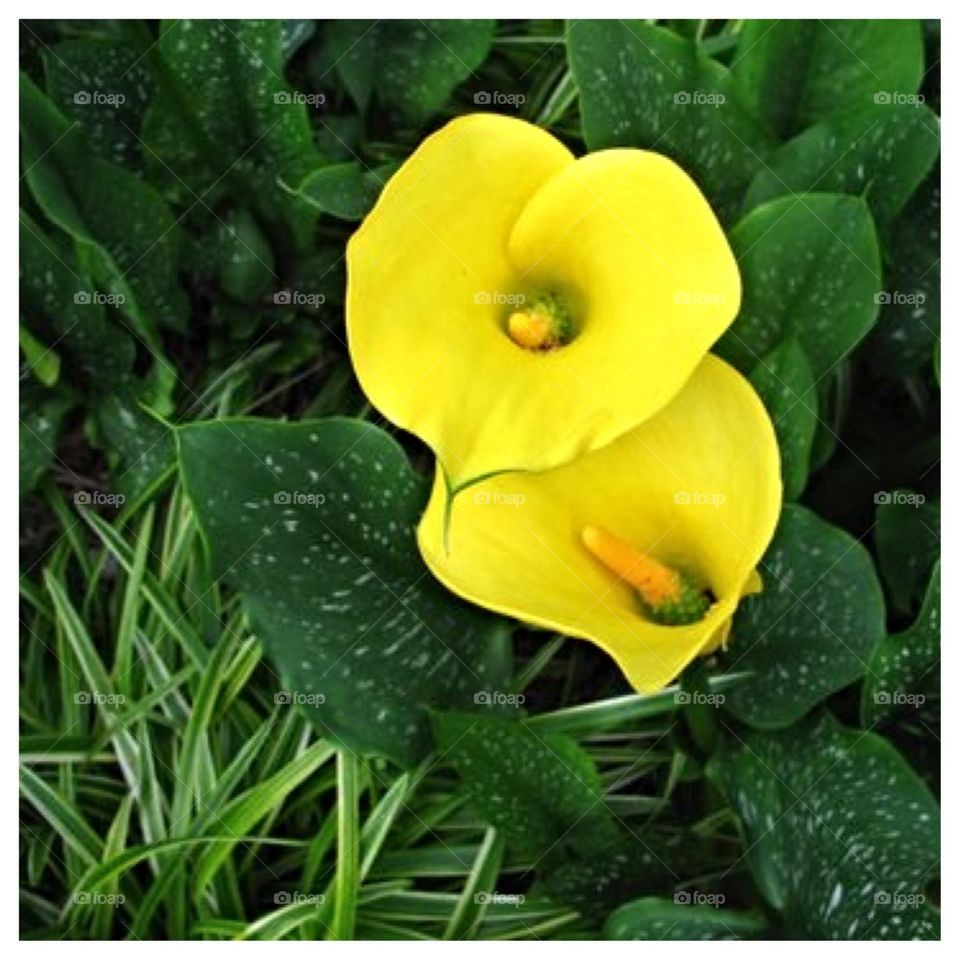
(812, 629)
(866, 826)
(314, 524)
(250, 718)
(793, 73)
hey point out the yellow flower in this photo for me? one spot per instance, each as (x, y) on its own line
(644, 546)
(516, 308)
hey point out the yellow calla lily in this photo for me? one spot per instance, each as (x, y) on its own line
(515, 307)
(591, 549)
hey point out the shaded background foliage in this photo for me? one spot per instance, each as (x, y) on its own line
(214, 758)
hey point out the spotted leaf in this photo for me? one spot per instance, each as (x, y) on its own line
(812, 629)
(841, 835)
(313, 523)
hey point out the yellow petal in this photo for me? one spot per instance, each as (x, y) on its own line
(490, 212)
(697, 487)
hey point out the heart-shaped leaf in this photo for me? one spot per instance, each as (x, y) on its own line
(812, 629)
(811, 267)
(313, 523)
(840, 834)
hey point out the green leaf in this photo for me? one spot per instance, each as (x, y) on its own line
(41, 415)
(881, 152)
(411, 66)
(103, 84)
(344, 190)
(643, 86)
(246, 260)
(792, 73)
(541, 791)
(314, 523)
(140, 448)
(652, 918)
(784, 380)
(908, 543)
(42, 361)
(908, 330)
(52, 289)
(810, 267)
(841, 835)
(902, 670)
(226, 120)
(126, 236)
(812, 629)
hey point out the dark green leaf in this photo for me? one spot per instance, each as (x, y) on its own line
(908, 543)
(841, 835)
(792, 73)
(411, 65)
(246, 260)
(812, 629)
(41, 414)
(881, 152)
(344, 190)
(903, 669)
(60, 306)
(103, 84)
(126, 236)
(225, 117)
(784, 380)
(811, 267)
(909, 326)
(541, 790)
(643, 86)
(682, 918)
(314, 523)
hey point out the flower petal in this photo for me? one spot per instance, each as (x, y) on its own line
(490, 209)
(697, 486)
